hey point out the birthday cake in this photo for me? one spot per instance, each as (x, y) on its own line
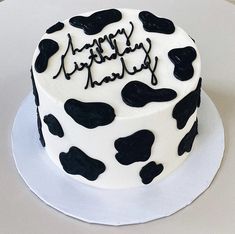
(117, 93)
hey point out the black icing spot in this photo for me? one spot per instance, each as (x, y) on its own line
(152, 23)
(56, 27)
(47, 48)
(53, 125)
(35, 92)
(138, 94)
(182, 59)
(94, 23)
(134, 148)
(150, 171)
(39, 122)
(76, 162)
(89, 114)
(186, 107)
(187, 142)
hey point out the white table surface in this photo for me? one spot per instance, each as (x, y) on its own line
(210, 22)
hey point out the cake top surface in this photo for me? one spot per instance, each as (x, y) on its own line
(132, 60)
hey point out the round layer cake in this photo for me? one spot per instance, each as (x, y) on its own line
(117, 93)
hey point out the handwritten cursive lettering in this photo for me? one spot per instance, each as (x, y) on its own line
(96, 56)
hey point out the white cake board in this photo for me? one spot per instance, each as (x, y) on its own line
(118, 207)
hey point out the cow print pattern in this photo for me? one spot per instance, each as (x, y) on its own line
(53, 125)
(89, 114)
(35, 92)
(152, 23)
(182, 58)
(186, 107)
(39, 123)
(138, 94)
(187, 142)
(150, 171)
(56, 27)
(76, 162)
(134, 148)
(94, 23)
(47, 48)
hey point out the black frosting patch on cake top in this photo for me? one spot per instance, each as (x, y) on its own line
(39, 123)
(150, 171)
(187, 142)
(47, 48)
(186, 107)
(152, 23)
(182, 58)
(53, 125)
(134, 148)
(94, 23)
(89, 114)
(35, 92)
(76, 162)
(138, 94)
(54, 28)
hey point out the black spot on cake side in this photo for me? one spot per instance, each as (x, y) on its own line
(53, 125)
(186, 107)
(187, 142)
(134, 148)
(39, 122)
(89, 114)
(182, 58)
(152, 23)
(150, 171)
(94, 23)
(138, 94)
(54, 28)
(47, 48)
(76, 162)
(35, 92)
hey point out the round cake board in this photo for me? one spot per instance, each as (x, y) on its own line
(123, 206)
